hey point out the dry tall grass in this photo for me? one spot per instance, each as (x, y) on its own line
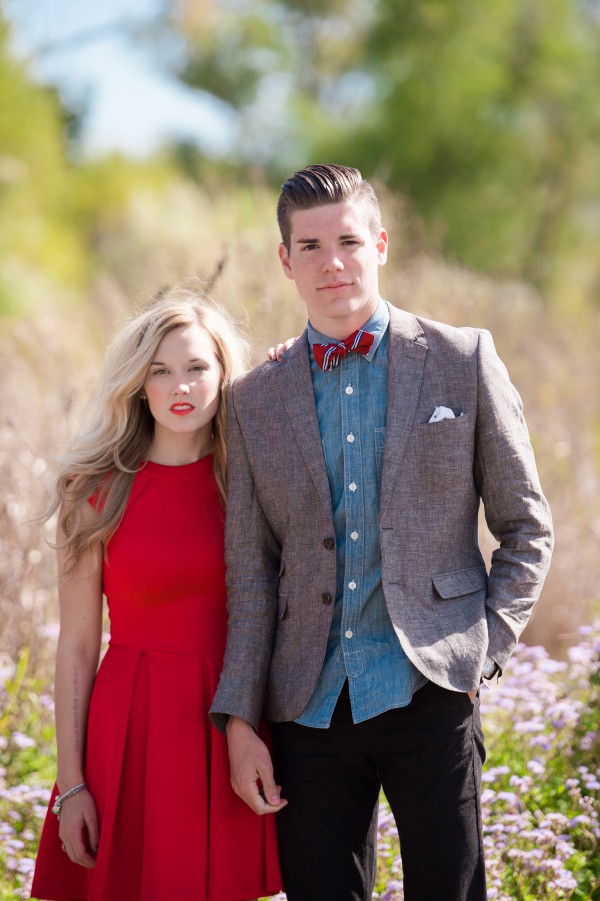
(230, 241)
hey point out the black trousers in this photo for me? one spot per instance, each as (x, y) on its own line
(427, 757)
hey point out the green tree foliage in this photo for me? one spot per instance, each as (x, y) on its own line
(34, 231)
(273, 62)
(59, 218)
(484, 114)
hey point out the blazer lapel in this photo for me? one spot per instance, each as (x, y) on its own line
(406, 363)
(295, 385)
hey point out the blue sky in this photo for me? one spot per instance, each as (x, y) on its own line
(132, 104)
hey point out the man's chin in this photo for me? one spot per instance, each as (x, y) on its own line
(340, 318)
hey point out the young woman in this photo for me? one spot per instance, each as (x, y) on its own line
(143, 809)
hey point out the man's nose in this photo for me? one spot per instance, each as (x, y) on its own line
(332, 262)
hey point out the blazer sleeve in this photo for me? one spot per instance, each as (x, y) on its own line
(516, 510)
(252, 556)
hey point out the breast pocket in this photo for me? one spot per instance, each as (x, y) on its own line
(445, 429)
(441, 453)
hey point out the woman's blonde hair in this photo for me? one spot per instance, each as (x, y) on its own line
(106, 455)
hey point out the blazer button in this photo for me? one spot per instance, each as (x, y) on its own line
(326, 598)
(328, 543)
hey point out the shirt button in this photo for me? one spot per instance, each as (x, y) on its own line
(328, 543)
(350, 438)
(349, 389)
(352, 585)
(326, 598)
(352, 486)
(354, 536)
(349, 633)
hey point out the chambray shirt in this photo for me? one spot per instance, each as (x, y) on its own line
(351, 401)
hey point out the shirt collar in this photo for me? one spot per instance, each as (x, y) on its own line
(377, 325)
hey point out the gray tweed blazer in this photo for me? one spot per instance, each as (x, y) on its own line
(447, 610)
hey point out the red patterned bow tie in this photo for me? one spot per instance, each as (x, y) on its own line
(329, 355)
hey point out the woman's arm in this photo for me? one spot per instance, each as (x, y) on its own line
(80, 599)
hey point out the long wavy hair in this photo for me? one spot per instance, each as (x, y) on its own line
(105, 456)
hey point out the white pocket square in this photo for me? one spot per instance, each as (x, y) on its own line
(443, 413)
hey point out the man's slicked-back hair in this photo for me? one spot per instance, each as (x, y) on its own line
(321, 184)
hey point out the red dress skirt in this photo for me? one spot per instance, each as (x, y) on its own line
(171, 827)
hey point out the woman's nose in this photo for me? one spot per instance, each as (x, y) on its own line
(182, 388)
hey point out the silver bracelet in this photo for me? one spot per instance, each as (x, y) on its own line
(60, 799)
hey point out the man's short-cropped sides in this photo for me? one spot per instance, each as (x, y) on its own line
(321, 184)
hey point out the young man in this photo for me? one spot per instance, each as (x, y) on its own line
(361, 615)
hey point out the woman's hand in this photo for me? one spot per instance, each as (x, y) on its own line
(78, 828)
(276, 353)
(78, 651)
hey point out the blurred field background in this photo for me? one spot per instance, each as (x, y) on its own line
(478, 123)
(480, 127)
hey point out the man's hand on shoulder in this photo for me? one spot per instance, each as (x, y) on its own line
(276, 353)
(252, 769)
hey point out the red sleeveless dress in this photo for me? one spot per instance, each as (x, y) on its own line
(171, 827)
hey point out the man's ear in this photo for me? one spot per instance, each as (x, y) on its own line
(382, 246)
(285, 261)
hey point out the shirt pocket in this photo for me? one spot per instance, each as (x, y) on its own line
(379, 449)
(327, 465)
